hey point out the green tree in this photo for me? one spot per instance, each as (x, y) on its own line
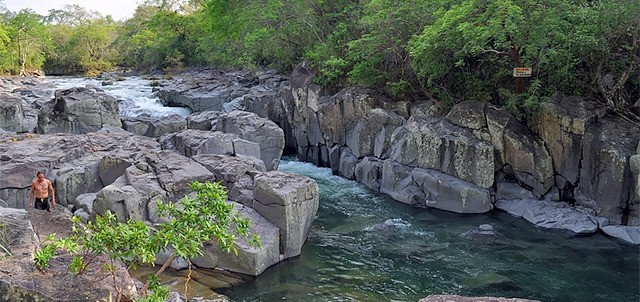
(5, 55)
(28, 39)
(379, 56)
(82, 41)
(158, 37)
(469, 50)
(189, 223)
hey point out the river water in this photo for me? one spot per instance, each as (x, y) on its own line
(366, 247)
(134, 95)
(350, 257)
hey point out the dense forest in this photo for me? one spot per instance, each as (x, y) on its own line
(446, 50)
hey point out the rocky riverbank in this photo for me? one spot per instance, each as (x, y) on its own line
(575, 168)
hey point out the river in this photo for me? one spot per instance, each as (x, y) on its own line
(364, 246)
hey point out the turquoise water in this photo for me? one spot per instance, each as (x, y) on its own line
(350, 257)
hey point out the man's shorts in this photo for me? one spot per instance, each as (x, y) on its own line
(42, 204)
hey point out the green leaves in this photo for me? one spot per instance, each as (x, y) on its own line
(193, 220)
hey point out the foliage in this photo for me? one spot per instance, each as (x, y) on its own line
(189, 224)
(3, 239)
(82, 41)
(25, 41)
(483, 40)
(444, 50)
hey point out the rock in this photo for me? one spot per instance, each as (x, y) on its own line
(290, 202)
(78, 110)
(193, 142)
(174, 172)
(562, 125)
(469, 114)
(398, 183)
(16, 115)
(372, 134)
(155, 126)
(250, 260)
(605, 178)
(634, 202)
(454, 298)
(388, 225)
(202, 120)
(85, 202)
(486, 228)
(511, 191)
(369, 172)
(251, 127)
(20, 280)
(448, 193)
(628, 234)
(177, 262)
(434, 143)
(124, 201)
(552, 215)
(347, 166)
(72, 162)
(527, 157)
(234, 173)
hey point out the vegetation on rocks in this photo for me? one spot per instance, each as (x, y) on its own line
(445, 50)
(3, 241)
(187, 225)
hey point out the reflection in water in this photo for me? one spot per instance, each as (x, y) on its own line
(366, 247)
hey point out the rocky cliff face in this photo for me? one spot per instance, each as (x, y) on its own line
(475, 154)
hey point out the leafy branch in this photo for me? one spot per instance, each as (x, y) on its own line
(190, 223)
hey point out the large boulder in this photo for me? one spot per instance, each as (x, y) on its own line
(155, 126)
(202, 120)
(448, 193)
(398, 183)
(290, 202)
(592, 153)
(193, 142)
(121, 199)
(16, 115)
(234, 173)
(250, 260)
(434, 143)
(251, 127)
(174, 172)
(78, 110)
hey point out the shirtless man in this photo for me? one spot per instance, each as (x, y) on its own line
(40, 187)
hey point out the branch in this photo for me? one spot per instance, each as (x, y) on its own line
(632, 66)
(503, 53)
(162, 269)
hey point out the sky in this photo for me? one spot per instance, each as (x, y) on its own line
(118, 9)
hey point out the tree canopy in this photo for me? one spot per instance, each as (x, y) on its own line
(446, 50)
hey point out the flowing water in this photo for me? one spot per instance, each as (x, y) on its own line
(353, 255)
(134, 95)
(365, 247)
